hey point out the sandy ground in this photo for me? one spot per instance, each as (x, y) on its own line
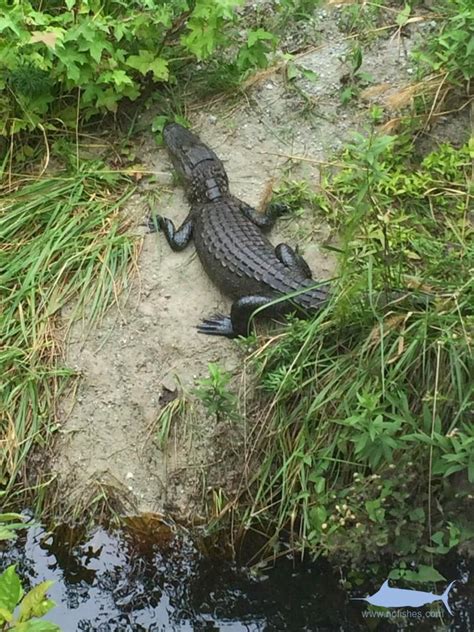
(149, 347)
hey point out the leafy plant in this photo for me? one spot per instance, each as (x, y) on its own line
(451, 48)
(76, 58)
(361, 18)
(356, 78)
(31, 607)
(213, 393)
(10, 523)
(395, 212)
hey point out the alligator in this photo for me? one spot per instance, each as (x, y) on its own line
(229, 240)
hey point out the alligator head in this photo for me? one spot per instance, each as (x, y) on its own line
(201, 171)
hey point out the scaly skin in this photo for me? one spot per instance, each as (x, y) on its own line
(231, 245)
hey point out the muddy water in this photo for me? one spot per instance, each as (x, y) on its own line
(127, 581)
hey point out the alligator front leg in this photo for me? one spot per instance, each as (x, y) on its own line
(292, 259)
(177, 239)
(239, 321)
(263, 220)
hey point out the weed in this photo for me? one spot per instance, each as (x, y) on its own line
(361, 18)
(213, 393)
(354, 80)
(59, 63)
(176, 408)
(296, 9)
(10, 523)
(451, 48)
(295, 194)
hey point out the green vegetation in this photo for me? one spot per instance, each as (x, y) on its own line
(451, 49)
(367, 410)
(31, 607)
(72, 59)
(10, 523)
(62, 240)
(213, 393)
(361, 18)
(354, 80)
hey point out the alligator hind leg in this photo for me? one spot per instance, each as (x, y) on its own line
(263, 220)
(239, 321)
(177, 239)
(292, 259)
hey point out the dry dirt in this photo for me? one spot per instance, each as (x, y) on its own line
(149, 346)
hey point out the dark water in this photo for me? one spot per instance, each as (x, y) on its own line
(154, 580)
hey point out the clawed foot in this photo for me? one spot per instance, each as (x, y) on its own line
(154, 223)
(217, 325)
(277, 209)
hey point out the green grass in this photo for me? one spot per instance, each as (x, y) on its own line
(363, 443)
(63, 244)
(450, 50)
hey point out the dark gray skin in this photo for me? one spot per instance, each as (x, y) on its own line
(230, 243)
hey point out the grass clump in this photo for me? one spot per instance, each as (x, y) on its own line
(364, 440)
(62, 240)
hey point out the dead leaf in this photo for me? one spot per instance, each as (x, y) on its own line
(46, 37)
(375, 91)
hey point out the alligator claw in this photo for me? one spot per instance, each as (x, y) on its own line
(217, 325)
(154, 223)
(277, 209)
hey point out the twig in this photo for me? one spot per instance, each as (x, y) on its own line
(46, 160)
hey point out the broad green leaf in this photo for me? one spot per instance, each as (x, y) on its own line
(7, 23)
(96, 47)
(10, 589)
(199, 41)
(158, 123)
(258, 34)
(318, 516)
(292, 71)
(159, 68)
(402, 17)
(5, 615)
(7, 534)
(309, 74)
(146, 62)
(120, 78)
(424, 574)
(35, 603)
(36, 626)
(417, 515)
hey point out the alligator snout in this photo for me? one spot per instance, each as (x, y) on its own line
(176, 136)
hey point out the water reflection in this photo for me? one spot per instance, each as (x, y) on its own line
(148, 578)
